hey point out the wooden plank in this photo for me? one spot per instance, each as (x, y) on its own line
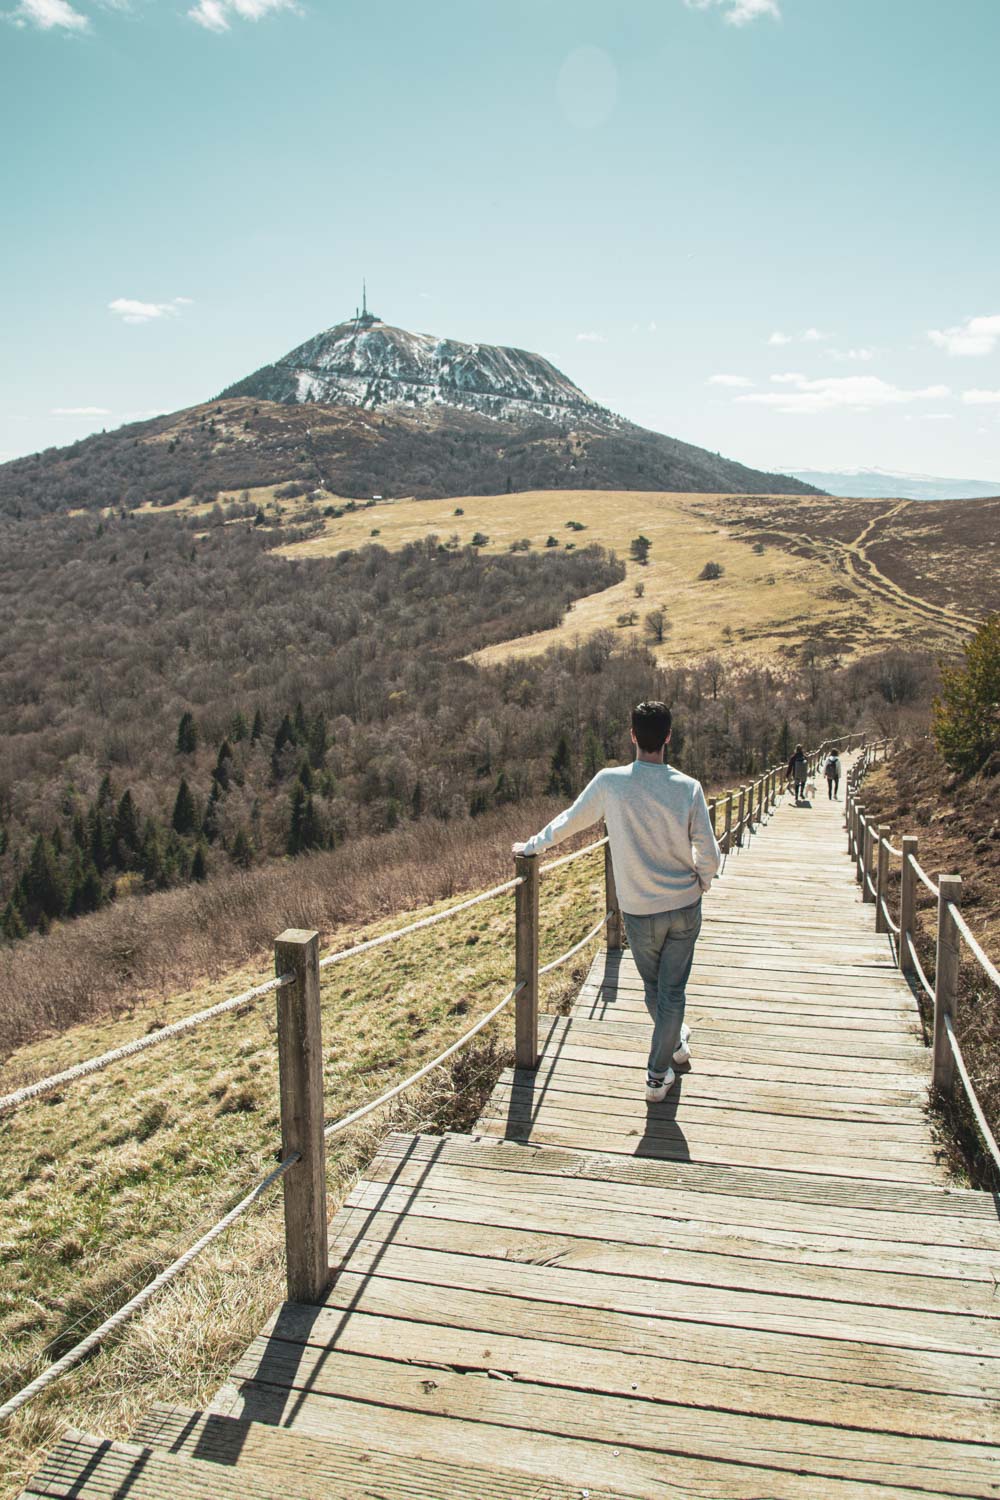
(497, 1200)
(664, 1473)
(472, 1227)
(652, 1376)
(641, 1437)
(942, 1331)
(741, 1182)
(89, 1468)
(302, 1466)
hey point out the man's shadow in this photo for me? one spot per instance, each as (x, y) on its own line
(663, 1139)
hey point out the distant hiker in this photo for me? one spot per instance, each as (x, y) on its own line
(832, 773)
(798, 770)
(665, 857)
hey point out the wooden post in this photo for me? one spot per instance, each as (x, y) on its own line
(760, 800)
(882, 877)
(945, 983)
(849, 818)
(859, 833)
(526, 962)
(300, 1073)
(907, 903)
(728, 835)
(866, 858)
(739, 819)
(614, 937)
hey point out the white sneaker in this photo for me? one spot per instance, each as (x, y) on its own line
(683, 1053)
(656, 1091)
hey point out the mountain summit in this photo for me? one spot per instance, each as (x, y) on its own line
(368, 363)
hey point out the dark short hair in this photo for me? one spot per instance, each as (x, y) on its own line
(651, 723)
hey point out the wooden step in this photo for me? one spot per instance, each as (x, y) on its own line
(302, 1465)
(82, 1467)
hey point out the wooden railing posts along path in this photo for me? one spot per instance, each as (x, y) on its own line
(872, 850)
(736, 815)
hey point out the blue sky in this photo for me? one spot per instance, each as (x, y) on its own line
(769, 227)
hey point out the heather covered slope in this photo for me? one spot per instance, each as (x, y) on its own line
(240, 443)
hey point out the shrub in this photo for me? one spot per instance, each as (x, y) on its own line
(639, 548)
(967, 712)
(712, 570)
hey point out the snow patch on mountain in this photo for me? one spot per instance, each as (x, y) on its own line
(370, 364)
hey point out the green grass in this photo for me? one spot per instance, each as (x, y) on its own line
(105, 1183)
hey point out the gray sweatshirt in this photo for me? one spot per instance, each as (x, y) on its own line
(662, 845)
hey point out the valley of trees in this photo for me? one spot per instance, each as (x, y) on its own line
(178, 704)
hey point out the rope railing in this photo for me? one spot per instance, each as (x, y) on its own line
(567, 859)
(374, 1104)
(431, 921)
(304, 1130)
(980, 1118)
(555, 963)
(893, 926)
(110, 1325)
(865, 843)
(918, 967)
(924, 878)
(985, 963)
(140, 1044)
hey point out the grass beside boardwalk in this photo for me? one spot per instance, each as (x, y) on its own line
(102, 1185)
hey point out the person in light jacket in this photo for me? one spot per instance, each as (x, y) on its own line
(831, 771)
(665, 857)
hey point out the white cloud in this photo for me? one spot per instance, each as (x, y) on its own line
(981, 398)
(939, 416)
(131, 311)
(807, 336)
(853, 354)
(652, 326)
(591, 338)
(974, 336)
(852, 392)
(739, 12)
(217, 15)
(80, 411)
(48, 14)
(733, 380)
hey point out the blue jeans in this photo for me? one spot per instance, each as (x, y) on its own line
(663, 948)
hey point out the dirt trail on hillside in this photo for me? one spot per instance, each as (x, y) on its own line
(867, 573)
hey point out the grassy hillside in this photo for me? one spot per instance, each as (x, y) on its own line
(796, 579)
(104, 1184)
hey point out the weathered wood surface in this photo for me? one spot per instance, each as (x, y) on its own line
(763, 1288)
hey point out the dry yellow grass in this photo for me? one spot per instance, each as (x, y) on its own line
(764, 601)
(104, 1184)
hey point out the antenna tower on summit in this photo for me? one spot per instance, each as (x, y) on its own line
(364, 318)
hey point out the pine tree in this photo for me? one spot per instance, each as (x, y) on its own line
(311, 833)
(127, 837)
(187, 735)
(258, 727)
(306, 775)
(317, 741)
(301, 727)
(199, 864)
(238, 729)
(11, 925)
(210, 822)
(185, 817)
(242, 852)
(284, 737)
(220, 775)
(417, 801)
(294, 841)
(560, 782)
(44, 889)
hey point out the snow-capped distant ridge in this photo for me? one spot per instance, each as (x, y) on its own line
(884, 484)
(367, 363)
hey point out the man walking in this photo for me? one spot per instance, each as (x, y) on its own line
(665, 856)
(832, 773)
(798, 770)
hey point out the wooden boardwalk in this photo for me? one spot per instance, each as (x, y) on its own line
(762, 1287)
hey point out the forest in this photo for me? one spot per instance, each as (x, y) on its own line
(178, 703)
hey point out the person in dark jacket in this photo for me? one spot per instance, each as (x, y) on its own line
(798, 770)
(832, 773)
